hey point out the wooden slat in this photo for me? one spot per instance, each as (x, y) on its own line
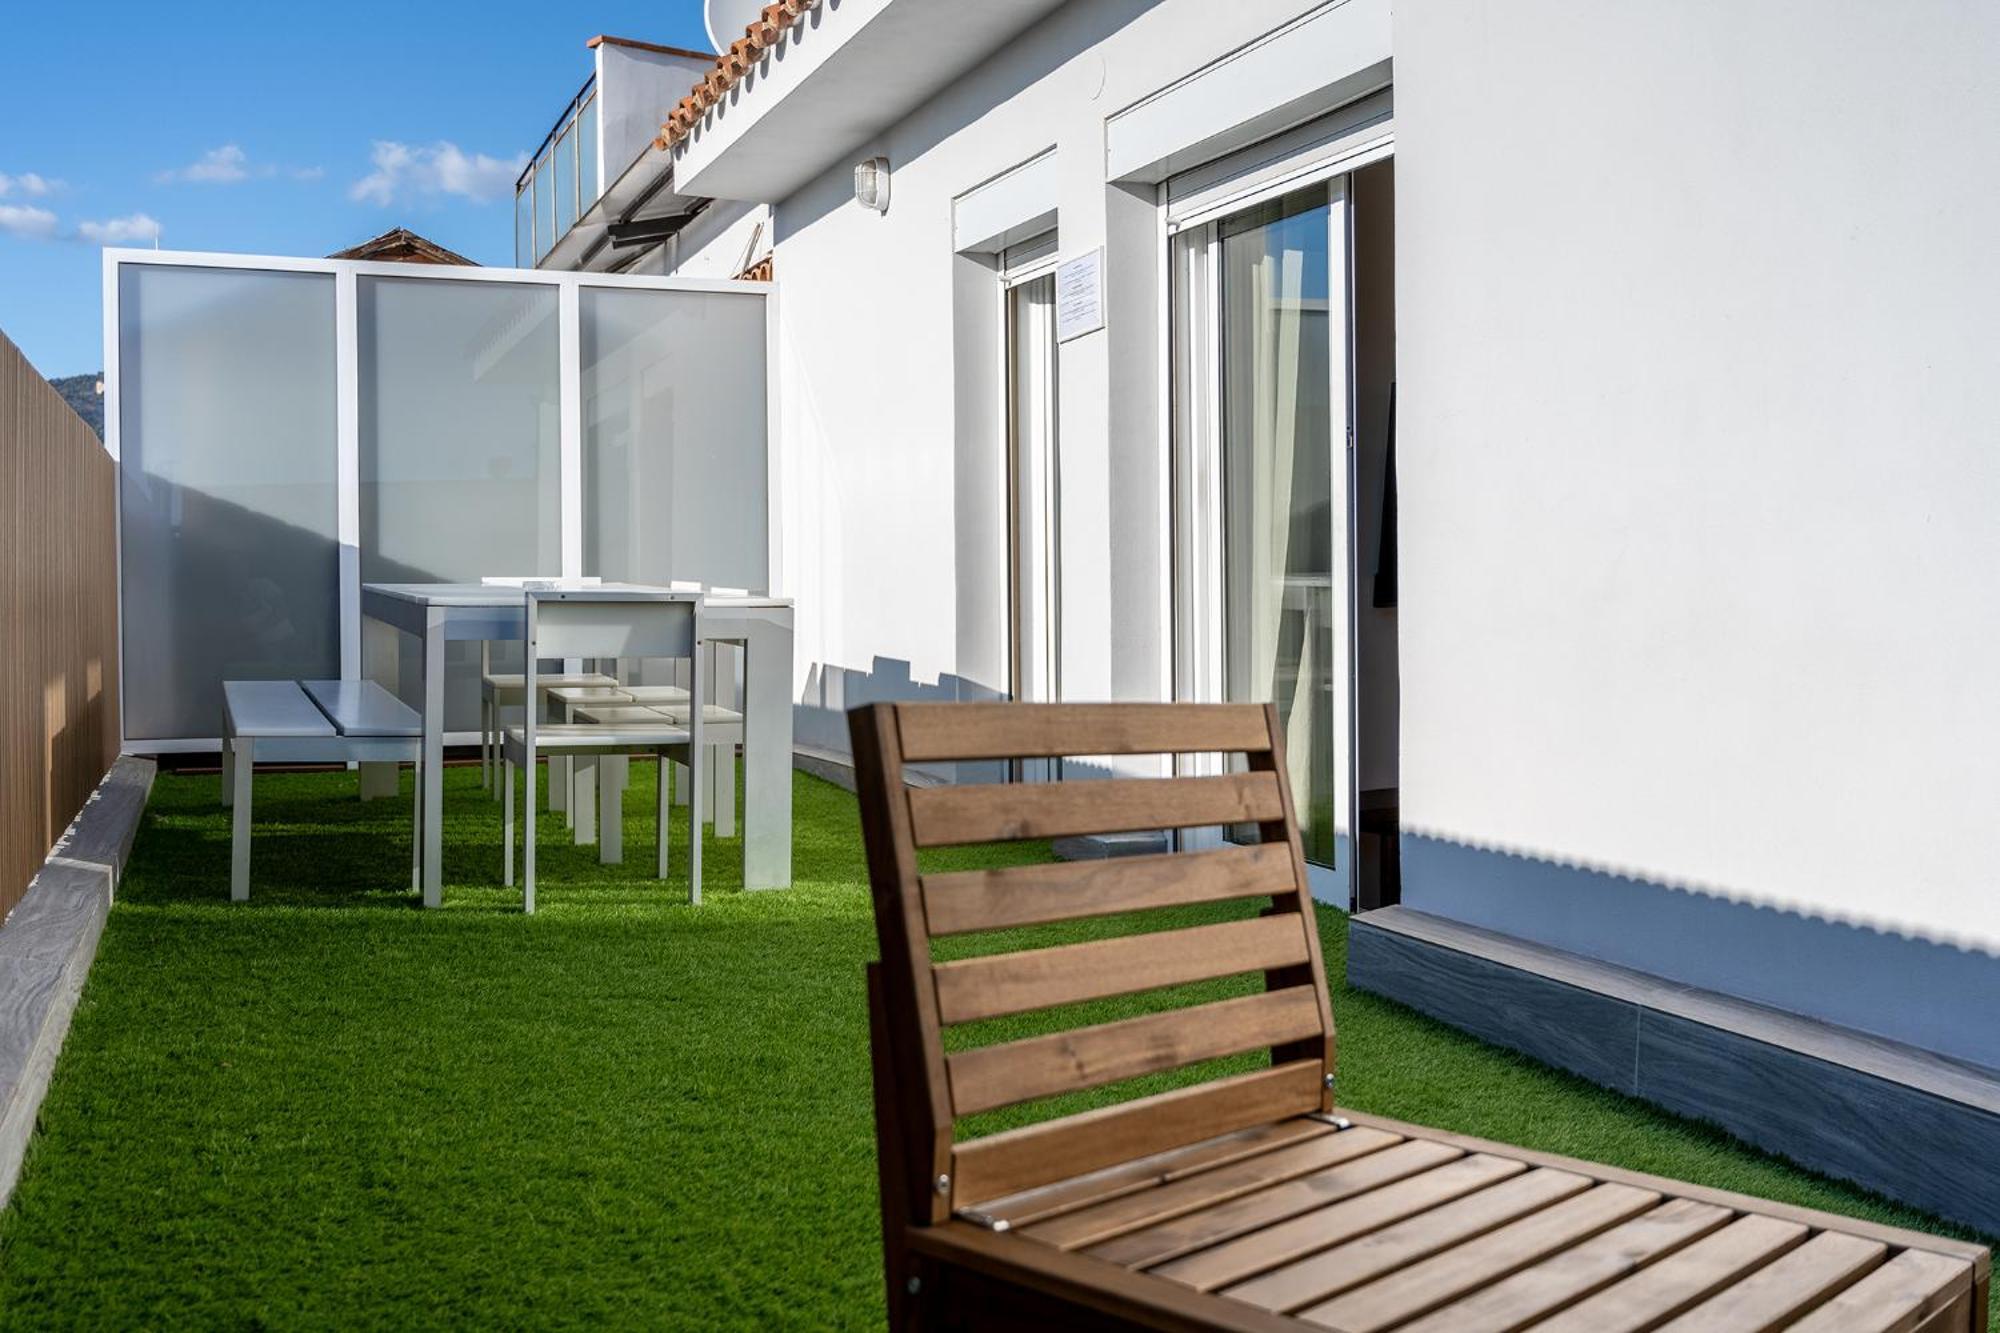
(1020, 1071)
(1280, 1242)
(1424, 1286)
(1518, 1301)
(1145, 1172)
(59, 726)
(933, 732)
(1233, 1217)
(1782, 1291)
(1090, 1226)
(968, 900)
(1963, 1314)
(999, 812)
(1895, 1298)
(1682, 1280)
(1896, 1237)
(1328, 1272)
(1285, 829)
(1020, 1159)
(1104, 1296)
(910, 1019)
(975, 988)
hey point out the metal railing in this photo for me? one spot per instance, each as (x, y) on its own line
(560, 181)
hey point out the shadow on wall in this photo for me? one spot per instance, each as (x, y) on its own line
(820, 720)
(217, 589)
(1934, 994)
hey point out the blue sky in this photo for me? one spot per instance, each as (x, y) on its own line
(270, 129)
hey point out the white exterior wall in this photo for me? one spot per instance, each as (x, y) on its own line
(636, 88)
(724, 240)
(1697, 309)
(1700, 463)
(898, 566)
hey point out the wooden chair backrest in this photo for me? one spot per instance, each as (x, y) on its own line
(923, 1090)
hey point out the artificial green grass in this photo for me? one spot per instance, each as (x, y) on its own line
(328, 1107)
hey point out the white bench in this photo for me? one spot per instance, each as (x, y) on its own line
(306, 722)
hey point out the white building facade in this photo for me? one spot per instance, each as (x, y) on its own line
(1582, 422)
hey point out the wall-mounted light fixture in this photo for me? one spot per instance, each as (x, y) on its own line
(871, 184)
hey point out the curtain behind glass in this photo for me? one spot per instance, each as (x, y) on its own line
(1277, 428)
(229, 552)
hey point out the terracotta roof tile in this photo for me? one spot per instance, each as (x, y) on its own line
(743, 55)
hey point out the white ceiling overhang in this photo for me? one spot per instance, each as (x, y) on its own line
(644, 193)
(835, 81)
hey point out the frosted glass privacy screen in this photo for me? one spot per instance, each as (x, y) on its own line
(675, 480)
(229, 554)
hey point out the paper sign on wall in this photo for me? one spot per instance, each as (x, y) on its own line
(1080, 295)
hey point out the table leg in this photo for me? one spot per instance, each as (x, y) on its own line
(417, 823)
(583, 798)
(767, 757)
(432, 763)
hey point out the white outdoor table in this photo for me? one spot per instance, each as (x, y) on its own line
(435, 613)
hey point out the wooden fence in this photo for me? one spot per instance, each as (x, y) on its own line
(58, 618)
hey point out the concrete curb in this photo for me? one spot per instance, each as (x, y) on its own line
(48, 943)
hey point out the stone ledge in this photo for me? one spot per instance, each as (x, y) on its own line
(48, 943)
(1886, 1116)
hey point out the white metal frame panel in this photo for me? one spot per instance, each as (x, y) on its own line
(346, 273)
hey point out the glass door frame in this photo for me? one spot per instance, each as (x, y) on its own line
(1200, 626)
(1033, 487)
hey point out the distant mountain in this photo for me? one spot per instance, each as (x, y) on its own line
(80, 392)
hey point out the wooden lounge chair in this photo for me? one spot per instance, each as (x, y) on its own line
(1247, 1201)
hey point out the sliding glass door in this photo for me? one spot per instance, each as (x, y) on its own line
(1277, 488)
(1261, 344)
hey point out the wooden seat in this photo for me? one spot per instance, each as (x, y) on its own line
(1247, 1201)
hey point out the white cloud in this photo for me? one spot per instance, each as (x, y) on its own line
(25, 220)
(28, 183)
(218, 166)
(120, 231)
(229, 165)
(403, 169)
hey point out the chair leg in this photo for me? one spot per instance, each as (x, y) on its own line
(610, 810)
(528, 845)
(563, 768)
(723, 767)
(417, 823)
(697, 761)
(485, 735)
(583, 799)
(239, 826)
(663, 814)
(507, 821)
